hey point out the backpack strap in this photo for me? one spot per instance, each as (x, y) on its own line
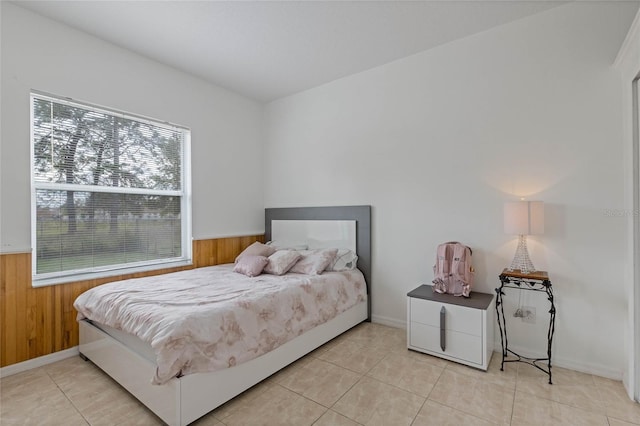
(463, 271)
(459, 256)
(441, 269)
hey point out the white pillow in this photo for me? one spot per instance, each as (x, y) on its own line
(281, 261)
(346, 260)
(313, 262)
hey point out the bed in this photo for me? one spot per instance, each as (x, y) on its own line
(181, 400)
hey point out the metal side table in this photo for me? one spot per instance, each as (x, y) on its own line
(535, 281)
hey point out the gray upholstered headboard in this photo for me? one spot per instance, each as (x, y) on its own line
(360, 214)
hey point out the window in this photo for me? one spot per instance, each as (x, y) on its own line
(110, 191)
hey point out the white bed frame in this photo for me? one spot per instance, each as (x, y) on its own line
(185, 399)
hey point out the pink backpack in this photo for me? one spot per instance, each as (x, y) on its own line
(453, 272)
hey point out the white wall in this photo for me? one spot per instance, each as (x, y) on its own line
(436, 142)
(38, 53)
(628, 62)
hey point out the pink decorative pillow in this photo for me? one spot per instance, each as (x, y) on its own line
(257, 249)
(250, 265)
(313, 262)
(281, 261)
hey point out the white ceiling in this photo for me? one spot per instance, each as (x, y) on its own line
(267, 50)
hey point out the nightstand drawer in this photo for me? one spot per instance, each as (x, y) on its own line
(458, 345)
(458, 318)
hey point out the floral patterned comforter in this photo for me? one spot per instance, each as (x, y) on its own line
(207, 319)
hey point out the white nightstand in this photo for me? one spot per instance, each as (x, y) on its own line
(459, 329)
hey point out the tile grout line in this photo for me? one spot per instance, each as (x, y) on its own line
(363, 375)
(515, 388)
(566, 404)
(316, 402)
(404, 390)
(463, 411)
(571, 406)
(427, 398)
(388, 351)
(341, 366)
(67, 398)
(301, 396)
(342, 396)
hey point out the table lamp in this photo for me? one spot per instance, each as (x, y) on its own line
(523, 218)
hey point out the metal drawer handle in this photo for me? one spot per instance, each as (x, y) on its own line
(443, 339)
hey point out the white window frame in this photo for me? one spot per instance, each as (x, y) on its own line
(635, 226)
(40, 280)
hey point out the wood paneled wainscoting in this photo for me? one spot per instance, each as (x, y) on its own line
(40, 321)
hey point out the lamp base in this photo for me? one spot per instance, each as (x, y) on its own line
(521, 259)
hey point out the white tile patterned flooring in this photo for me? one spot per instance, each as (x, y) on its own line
(364, 377)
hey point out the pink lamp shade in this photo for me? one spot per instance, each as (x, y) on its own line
(524, 217)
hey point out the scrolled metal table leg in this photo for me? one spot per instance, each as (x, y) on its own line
(552, 324)
(501, 322)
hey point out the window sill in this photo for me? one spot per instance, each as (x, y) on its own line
(66, 279)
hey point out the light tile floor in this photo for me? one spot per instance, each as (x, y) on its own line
(366, 376)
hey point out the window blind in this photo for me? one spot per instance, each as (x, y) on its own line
(108, 189)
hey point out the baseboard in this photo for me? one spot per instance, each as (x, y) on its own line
(12, 369)
(627, 386)
(569, 364)
(596, 370)
(391, 322)
(556, 361)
